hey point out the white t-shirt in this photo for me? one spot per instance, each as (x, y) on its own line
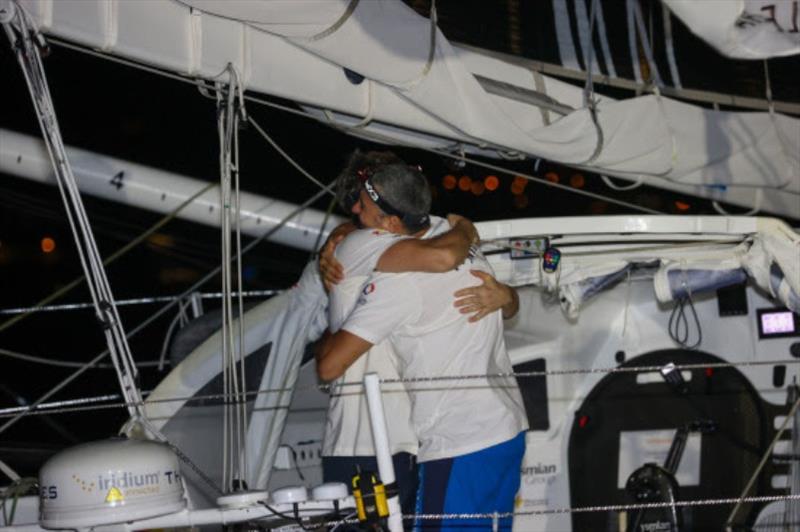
(415, 312)
(347, 429)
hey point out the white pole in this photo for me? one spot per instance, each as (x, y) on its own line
(380, 438)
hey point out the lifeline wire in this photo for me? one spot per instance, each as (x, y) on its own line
(135, 301)
(66, 406)
(590, 509)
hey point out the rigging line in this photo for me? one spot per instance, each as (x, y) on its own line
(161, 311)
(306, 114)
(610, 507)
(64, 363)
(588, 509)
(326, 188)
(66, 403)
(120, 404)
(65, 406)
(137, 301)
(764, 458)
(111, 258)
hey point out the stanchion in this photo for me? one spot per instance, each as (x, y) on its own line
(380, 438)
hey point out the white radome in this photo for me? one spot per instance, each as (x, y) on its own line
(110, 481)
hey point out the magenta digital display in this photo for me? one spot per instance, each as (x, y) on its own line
(777, 322)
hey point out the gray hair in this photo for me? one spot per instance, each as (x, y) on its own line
(406, 190)
(359, 166)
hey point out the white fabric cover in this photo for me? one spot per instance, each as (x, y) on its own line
(743, 29)
(677, 280)
(289, 321)
(297, 50)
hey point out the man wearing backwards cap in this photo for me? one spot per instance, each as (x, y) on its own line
(470, 432)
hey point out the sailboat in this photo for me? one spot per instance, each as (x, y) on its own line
(666, 340)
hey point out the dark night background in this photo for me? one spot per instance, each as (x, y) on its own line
(130, 114)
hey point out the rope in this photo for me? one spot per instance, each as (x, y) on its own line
(48, 361)
(610, 508)
(588, 90)
(586, 509)
(290, 160)
(410, 85)
(351, 7)
(137, 301)
(65, 406)
(234, 414)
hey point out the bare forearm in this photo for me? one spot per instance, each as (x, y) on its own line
(439, 254)
(336, 352)
(454, 244)
(511, 308)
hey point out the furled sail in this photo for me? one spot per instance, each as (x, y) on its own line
(380, 70)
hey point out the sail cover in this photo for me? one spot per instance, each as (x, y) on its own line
(187, 405)
(390, 74)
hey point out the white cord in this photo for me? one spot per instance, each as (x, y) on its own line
(234, 410)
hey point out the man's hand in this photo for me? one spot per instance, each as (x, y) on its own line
(484, 299)
(463, 224)
(330, 269)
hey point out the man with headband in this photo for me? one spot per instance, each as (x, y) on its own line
(470, 432)
(348, 440)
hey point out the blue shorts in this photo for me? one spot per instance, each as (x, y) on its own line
(483, 482)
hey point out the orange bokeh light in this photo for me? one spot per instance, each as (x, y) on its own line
(465, 183)
(552, 177)
(491, 182)
(477, 188)
(681, 206)
(577, 180)
(449, 182)
(48, 245)
(517, 188)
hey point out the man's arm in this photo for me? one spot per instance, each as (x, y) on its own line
(331, 269)
(434, 255)
(337, 352)
(487, 297)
